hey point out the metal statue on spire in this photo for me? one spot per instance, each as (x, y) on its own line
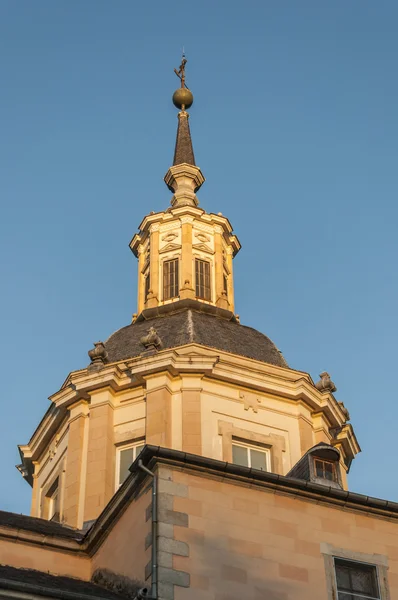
(182, 97)
(181, 72)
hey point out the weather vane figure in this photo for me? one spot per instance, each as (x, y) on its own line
(181, 72)
(182, 98)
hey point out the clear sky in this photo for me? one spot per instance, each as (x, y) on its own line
(295, 128)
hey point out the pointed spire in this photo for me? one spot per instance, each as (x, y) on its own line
(184, 178)
(183, 151)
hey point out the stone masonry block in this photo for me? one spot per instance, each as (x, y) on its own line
(166, 530)
(173, 546)
(165, 473)
(148, 512)
(173, 517)
(148, 540)
(175, 489)
(165, 500)
(165, 559)
(165, 591)
(180, 578)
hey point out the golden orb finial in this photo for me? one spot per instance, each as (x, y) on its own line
(183, 97)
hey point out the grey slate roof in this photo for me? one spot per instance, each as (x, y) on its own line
(54, 586)
(26, 523)
(190, 326)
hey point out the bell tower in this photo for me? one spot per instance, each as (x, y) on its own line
(184, 254)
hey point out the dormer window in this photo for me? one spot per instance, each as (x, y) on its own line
(325, 469)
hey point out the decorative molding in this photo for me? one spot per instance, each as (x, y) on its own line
(250, 401)
(169, 237)
(169, 248)
(202, 237)
(203, 248)
(174, 224)
(187, 219)
(154, 227)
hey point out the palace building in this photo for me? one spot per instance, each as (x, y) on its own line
(188, 459)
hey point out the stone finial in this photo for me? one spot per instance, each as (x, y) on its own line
(325, 384)
(344, 410)
(151, 341)
(98, 356)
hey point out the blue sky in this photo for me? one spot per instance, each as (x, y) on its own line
(295, 128)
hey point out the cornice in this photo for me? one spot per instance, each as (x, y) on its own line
(245, 373)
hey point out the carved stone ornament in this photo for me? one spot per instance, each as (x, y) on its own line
(250, 401)
(325, 384)
(169, 237)
(151, 341)
(344, 410)
(98, 355)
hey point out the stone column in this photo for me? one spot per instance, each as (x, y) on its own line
(100, 478)
(154, 295)
(75, 459)
(187, 276)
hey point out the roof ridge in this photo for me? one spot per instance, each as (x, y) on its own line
(191, 330)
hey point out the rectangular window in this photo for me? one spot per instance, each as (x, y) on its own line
(202, 279)
(325, 469)
(251, 456)
(125, 457)
(356, 580)
(170, 279)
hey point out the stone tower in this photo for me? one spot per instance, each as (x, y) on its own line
(184, 375)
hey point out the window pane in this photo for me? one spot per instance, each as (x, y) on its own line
(239, 455)
(138, 449)
(126, 460)
(329, 471)
(356, 578)
(319, 468)
(258, 460)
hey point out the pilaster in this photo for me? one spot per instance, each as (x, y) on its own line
(221, 299)
(154, 294)
(187, 289)
(192, 415)
(76, 459)
(158, 412)
(141, 279)
(100, 480)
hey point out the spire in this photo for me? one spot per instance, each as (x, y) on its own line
(184, 178)
(183, 151)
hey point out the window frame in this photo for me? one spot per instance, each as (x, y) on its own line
(168, 286)
(329, 462)
(119, 449)
(198, 284)
(357, 596)
(379, 561)
(265, 450)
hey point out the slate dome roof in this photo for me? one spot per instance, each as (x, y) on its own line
(191, 326)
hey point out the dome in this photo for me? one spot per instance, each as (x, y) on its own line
(191, 326)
